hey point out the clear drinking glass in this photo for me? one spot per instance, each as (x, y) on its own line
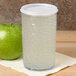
(39, 35)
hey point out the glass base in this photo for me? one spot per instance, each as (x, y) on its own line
(39, 69)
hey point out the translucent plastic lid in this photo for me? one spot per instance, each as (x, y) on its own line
(39, 9)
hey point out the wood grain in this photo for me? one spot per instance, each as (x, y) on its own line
(67, 49)
(66, 36)
(7, 71)
(70, 71)
(66, 43)
(10, 12)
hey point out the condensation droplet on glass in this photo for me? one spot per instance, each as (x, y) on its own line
(33, 24)
(33, 33)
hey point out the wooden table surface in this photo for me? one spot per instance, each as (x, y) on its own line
(66, 44)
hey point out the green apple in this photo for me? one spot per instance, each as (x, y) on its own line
(10, 41)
